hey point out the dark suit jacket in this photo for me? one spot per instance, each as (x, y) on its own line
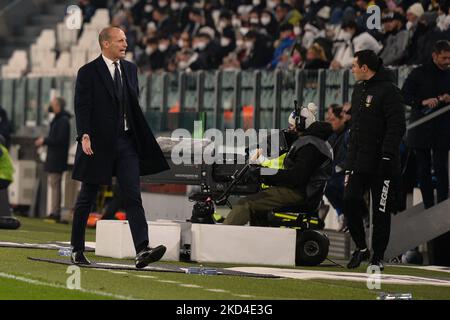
(97, 114)
(57, 143)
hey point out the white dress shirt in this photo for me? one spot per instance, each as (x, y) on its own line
(112, 69)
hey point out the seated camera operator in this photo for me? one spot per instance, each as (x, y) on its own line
(301, 183)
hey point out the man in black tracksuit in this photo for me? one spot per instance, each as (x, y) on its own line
(307, 168)
(373, 162)
(426, 90)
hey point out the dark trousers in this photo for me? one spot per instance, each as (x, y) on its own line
(127, 171)
(256, 207)
(335, 193)
(4, 184)
(438, 160)
(382, 202)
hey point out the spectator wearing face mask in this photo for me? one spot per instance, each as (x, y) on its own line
(227, 40)
(206, 53)
(312, 30)
(167, 49)
(152, 60)
(253, 18)
(416, 29)
(349, 41)
(184, 42)
(258, 52)
(269, 24)
(227, 43)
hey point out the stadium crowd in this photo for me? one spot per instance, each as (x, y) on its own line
(170, 35)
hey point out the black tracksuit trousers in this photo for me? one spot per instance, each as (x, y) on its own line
(382, 200)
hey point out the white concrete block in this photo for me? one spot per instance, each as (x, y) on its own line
(113, 239)
(243, 244)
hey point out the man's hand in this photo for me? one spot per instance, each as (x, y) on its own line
(430, 103)
(444, 98)
(86, 144)
(256, 155)
(39, 142)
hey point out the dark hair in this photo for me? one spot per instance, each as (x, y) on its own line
(368, 58)
(286, 27)
(349, 24)
(252, 34)
(336, 109)
(225, 14)
(441, 45)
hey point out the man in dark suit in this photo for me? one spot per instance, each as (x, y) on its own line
(114, 139)
(58, 143)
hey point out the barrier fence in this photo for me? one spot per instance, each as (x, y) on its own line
(228, 99)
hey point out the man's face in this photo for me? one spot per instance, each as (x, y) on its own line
(442, 59)
(336, 123)
(411, 17)
(117, 45)
(280, 14)
(55, 106)
(389, 26)
(362, 4)
(359, 72)
(292, 128)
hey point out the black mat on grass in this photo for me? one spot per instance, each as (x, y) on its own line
(154, 267)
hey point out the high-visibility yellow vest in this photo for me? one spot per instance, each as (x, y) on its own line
(6, 166)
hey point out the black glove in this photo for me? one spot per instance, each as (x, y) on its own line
(386, 170)
(253, 174)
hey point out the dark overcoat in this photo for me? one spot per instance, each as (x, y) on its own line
(378, 124)
(57, 143)
(97, 114)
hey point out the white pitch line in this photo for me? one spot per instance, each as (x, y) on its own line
(168, 281)
(41, 283)
(243, 295)
(145, 277)
(189, 285)
(217, 290)
(185, 285)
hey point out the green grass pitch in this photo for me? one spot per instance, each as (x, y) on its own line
(21, 278)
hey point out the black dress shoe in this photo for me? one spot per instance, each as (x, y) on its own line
(149, 255)
(79, 258)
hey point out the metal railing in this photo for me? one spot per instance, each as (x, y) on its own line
(229, 99)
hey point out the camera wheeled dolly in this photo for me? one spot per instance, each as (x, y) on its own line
(311, 244)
